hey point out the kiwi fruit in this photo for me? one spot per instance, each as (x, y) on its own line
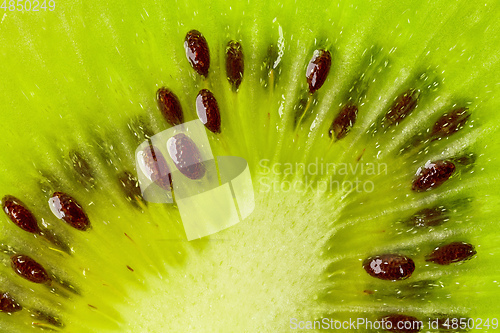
(370, 129)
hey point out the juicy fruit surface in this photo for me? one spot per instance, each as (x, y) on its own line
(80, 96)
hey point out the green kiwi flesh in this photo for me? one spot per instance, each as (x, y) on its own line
(80, 94)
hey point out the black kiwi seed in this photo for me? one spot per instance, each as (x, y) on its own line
(47, 318)
(400, 323)
(186, 156)
(197, 52)
(169, 106)
(235, 65)
(450, 253)
(69, 210)
(157, 169)
(29, 269)
(433, 175)
(271, 67)
(20, 215)
(130, 186)
(8, 304)
(23, 218)
(389, 266)
(208, 110)
(140, 129)
(466, 160)
(450, 123)
(318, 69)
(81, 167)
(428, 217)
(304, 108)
(57, 241)
(344, 121)
(401, 108)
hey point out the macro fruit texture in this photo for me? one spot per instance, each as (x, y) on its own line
(370, 129)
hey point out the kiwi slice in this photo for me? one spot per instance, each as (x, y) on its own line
(370, 130)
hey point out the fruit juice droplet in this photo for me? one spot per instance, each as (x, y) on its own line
(235, 65)
(208, 110)
(186, 156)
(29, 269)
(450, 253)
(169, 106)
(197, 52)
(20, 215)
(69, 210)
(389, 266)
(433, 175)
(318, 69)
